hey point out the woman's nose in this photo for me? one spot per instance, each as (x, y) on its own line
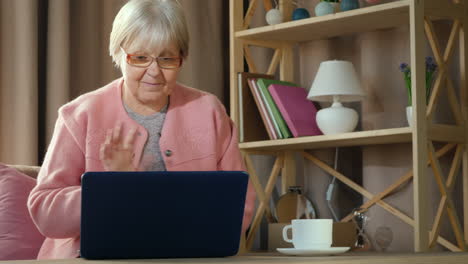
(153, 68)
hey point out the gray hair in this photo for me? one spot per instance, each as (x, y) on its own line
(144, 25)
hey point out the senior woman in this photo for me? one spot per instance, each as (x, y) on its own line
(142, 121)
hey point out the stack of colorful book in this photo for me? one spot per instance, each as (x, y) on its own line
(281, 108)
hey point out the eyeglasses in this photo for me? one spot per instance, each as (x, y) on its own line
(144, 60)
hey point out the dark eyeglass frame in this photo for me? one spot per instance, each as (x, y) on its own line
(128, 56)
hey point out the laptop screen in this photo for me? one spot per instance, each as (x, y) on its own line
(162, 214)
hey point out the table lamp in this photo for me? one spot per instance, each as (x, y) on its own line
(336, 81)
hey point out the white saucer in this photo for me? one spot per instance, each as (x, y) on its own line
(313, 251)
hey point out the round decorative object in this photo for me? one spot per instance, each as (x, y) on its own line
(274, 16)
(323, 8)
(336, 119)
(349, 5)
(294, 205)
(300, 13)
(383, 237)
(372, 1)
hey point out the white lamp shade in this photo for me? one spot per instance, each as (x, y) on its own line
(336, 78)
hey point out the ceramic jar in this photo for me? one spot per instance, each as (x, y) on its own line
(323, 8)
(274, 16)
(349, 5)
(300, 13)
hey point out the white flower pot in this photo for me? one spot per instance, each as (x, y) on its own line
(409, 115)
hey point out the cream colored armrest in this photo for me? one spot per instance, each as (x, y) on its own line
(31, 171)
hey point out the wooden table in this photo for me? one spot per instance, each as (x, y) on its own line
(368, 258)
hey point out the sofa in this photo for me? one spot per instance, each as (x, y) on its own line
(19, 237)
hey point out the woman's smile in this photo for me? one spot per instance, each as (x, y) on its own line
(153, 84)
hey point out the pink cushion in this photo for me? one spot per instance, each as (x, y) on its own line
(19, 237)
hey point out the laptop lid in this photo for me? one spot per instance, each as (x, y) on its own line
(162, 214)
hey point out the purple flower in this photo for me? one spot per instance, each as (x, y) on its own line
(404, 68)
(431, 66)
(429, 60)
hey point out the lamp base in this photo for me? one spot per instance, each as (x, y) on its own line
(336, 119)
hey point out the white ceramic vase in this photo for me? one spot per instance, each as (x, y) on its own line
(409, 115)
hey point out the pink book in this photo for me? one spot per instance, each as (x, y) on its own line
(298, 112)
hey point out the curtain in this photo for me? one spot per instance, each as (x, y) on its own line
(52, 51)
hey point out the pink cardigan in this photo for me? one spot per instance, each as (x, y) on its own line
(197, 132)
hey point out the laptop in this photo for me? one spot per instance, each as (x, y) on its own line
(134, 215)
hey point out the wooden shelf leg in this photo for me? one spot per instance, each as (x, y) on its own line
(256, 183)
(288, 174)
(463, 51)
(263, 204)
(419, 137)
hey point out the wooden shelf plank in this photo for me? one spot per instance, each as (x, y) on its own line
(437, 132)
(382, 136)
(364, 19)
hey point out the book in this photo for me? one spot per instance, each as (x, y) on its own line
(271, 105)
(251, 125)
(268, 113)
(262, 109)
(298, 112)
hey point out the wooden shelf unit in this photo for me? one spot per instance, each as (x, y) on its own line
(366, 19)
(315, 28)
(418, 14)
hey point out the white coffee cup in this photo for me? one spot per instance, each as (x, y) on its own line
(310, 233)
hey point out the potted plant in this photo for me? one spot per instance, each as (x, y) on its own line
(431, 68)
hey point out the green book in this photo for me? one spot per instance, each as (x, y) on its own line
(271, 105)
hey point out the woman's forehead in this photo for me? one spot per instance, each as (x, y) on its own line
(170, 48)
